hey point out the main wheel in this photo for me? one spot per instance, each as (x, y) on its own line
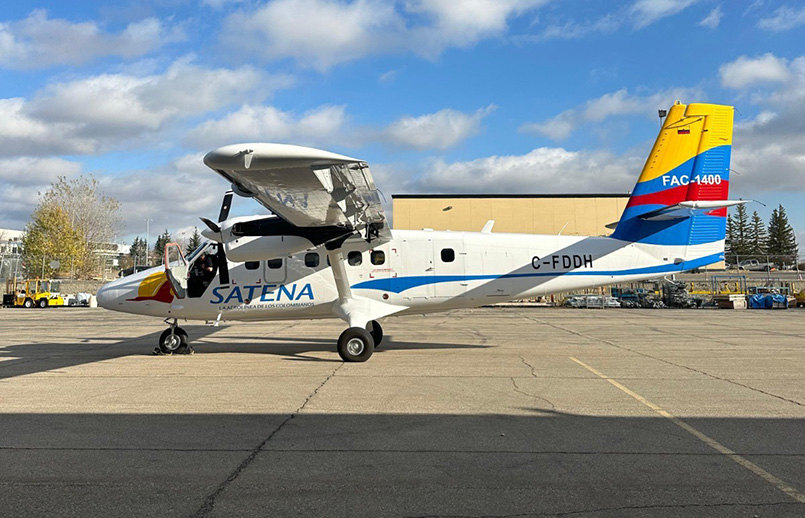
(175, 343)
(29, 303)
(376, 331)
(42, 303)
(355, 345)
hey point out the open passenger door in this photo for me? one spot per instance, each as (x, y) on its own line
(176, 268)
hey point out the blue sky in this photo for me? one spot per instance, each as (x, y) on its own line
(468, 96)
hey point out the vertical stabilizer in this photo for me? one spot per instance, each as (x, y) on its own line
(689, 162)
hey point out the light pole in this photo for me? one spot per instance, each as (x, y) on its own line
(147, 229)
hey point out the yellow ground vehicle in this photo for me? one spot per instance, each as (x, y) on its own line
(31, 293)
(800, 298)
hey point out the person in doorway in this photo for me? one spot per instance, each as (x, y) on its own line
(202, 273)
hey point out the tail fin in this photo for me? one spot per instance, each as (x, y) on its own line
(681, 195)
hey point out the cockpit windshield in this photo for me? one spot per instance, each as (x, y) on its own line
(195, 253)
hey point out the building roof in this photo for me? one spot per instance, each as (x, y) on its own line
(7, 234)
(509, 196)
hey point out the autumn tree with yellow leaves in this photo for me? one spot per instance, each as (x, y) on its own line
(73, 221)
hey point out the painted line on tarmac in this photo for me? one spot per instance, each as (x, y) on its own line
(751, 466)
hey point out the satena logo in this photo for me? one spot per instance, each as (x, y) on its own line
(262, 293)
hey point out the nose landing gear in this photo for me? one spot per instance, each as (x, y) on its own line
(173, 340)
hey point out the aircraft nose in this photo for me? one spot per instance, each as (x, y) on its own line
(108, 295)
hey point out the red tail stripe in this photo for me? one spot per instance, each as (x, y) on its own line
(672, 196)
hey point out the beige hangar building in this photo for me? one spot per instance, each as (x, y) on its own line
(570, 214)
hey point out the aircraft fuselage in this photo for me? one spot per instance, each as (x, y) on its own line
(422, 271)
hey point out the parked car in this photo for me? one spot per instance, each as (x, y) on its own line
(753, 265)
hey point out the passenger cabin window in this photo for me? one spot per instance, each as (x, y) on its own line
(311, 259)
(252, 265)
(355, 258)
(378, 257)
(274, 264)
(448, 255)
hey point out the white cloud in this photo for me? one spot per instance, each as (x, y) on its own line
(25, 170)
(461, 23)
(220, 4)
(174, 196)
(323, 125)
(323, 33)
(21, 181)
(783, 19)
(318, 33)
(544, 170)
(768, 151)
(646, 12)
(39, 41)
(571, 30)
(608, 105)
(103, 112)
(388, 77)
(712, 20)
(746, 71)
(21, 134)
(440, 130)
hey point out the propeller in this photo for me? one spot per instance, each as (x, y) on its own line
(217, 235)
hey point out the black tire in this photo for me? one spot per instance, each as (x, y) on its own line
(42, 303)
(376, 331)
(355, 345)
(173, 345)
(29, 303)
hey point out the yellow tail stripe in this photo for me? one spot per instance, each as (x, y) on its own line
(688, 131)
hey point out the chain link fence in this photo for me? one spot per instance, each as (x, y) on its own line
(764, 262)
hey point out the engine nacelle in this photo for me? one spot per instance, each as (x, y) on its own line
(261, 248)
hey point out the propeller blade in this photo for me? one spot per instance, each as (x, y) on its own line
(225, 206)
(223, 267)
(211, 225)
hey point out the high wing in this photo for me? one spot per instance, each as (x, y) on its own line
(306, 187)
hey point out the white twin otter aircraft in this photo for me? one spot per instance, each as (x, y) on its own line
(328, 251)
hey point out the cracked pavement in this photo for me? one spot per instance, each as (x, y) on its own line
(471, 413)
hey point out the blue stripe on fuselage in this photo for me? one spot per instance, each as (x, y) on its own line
(400, 284)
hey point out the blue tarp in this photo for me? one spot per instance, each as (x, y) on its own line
(767, 301)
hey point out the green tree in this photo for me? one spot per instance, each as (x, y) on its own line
(729, 253)
(138, 251)
(782, 241)
(738, 231)
(49, 236)
(756, 240)
(194, 242)
(159, 246)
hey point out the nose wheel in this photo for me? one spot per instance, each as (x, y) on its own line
(172, 340)
(376, 331)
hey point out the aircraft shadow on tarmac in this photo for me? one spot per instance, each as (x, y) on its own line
(40, 357)
(543, 463)
(295, 347)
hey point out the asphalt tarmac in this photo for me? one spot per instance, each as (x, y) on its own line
(494, 412)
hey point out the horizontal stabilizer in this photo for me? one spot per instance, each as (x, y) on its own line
(686, 209)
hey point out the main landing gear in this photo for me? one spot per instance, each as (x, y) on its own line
(173, 340)
(357, 344)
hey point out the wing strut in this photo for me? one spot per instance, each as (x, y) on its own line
(357, 311)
